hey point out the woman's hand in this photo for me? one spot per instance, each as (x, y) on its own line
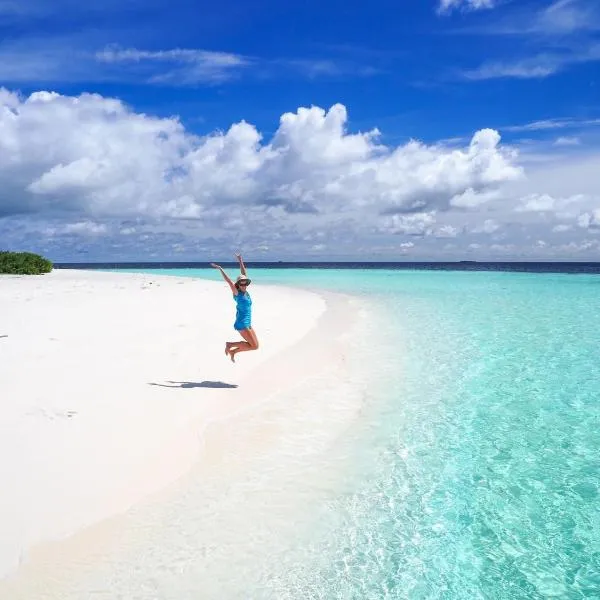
(216, 266)
(238, 255)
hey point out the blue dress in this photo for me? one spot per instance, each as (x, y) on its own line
(243, 312)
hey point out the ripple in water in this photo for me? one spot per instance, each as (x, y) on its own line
(484, 479)
(475, 468)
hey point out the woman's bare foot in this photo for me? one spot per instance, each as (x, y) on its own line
(232, 355)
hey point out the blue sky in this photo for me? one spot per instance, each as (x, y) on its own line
(118, 139)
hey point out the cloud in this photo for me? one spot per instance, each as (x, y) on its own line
(562, 35)
(471, 198)
(548, 124)
(558, 20)
(446, 6)
(578, 247)
(185, 66)
(565, 17)
(70, 60)
(76, 59)
(488, 227)
(550, 200)
(95, 157)
(590, 220)
(537, 203)
(571, 210)
(547, 203)
(447, 231)
(539, 66)
(84, 228)
(87, 176)
(319, 68)
(419, 224)
(315, 68)
(567, 141)
(562, 228)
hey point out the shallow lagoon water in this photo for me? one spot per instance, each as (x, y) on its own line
(473, 470)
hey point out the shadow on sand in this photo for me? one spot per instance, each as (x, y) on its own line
(195, 384)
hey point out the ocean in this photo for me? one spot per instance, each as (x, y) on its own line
(473, 470)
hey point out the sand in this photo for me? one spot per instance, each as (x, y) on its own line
(107, 381)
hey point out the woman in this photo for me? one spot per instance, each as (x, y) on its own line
(243, 318)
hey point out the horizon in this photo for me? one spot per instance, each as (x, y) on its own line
(442, 131)
(328, 262)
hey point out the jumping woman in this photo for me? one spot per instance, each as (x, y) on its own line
(243, 321)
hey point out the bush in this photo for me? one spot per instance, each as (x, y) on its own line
(24, 263)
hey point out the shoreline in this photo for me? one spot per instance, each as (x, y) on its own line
(318, 344)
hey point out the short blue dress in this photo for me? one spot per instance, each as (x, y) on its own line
(243, 315)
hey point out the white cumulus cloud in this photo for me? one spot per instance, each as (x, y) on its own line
(489, 226)
(89, 176)
(546, 202)
(418, 224)
(96, 156)
(590, 220)
(447, 231)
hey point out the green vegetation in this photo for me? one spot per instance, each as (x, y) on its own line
(24, 263)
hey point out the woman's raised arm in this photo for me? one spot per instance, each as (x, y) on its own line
(226, 278)
(242, 265)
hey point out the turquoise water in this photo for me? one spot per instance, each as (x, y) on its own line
(478, 456)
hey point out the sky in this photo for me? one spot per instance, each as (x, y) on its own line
(146, 130)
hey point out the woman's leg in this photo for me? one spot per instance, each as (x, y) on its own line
(230, 346)
(250, 343)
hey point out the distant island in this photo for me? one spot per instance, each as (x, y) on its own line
(24, 263)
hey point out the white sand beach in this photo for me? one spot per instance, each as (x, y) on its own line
(107, 381)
